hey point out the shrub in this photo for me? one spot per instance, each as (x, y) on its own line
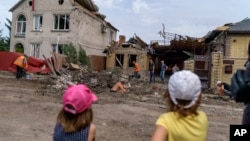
(70, 52)
(83, 58)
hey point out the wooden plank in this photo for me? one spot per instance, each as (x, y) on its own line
(50, 65)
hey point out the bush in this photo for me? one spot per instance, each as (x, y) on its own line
(83, 58)
(70, 52)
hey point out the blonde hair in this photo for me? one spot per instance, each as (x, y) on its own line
(179, 109)
(72, 123)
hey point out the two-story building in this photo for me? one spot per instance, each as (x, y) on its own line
(40, 27)
(229, 44)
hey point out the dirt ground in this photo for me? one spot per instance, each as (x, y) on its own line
(27, 114)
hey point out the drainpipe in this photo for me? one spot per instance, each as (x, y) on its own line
(33, 5)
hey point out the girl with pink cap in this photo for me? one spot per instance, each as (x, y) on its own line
(183, 122)
(74, 121)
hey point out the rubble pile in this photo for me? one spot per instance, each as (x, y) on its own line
(99, 82)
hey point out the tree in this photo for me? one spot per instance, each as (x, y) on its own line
(5, 41)
(70, 52)
(2, 42)
(83, 58)
(8, 26)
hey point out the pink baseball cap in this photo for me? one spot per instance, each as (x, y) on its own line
(79, 98)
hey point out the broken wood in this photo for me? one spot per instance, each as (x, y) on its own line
(50, 65)
(118, 61)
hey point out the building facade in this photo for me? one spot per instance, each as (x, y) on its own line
(40, 27)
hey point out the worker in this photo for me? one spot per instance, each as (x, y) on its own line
(21, 65)
(136, 70)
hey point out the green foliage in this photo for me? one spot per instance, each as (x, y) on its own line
(116, 70)
(70, 52)
(8, 25)
(83, 58)
(19, 48)
(5, 41)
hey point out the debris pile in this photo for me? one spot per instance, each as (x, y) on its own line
(99, 82)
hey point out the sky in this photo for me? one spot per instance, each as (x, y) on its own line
(145, 18)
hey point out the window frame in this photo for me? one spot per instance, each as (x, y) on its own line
(21, 25)
(111, 36)
(61, 20)
(35, 50)
(131, 58)
(37, 22)
(57, 48)
(119, 57)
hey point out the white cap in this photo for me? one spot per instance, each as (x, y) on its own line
(218, 82)
(184, 85)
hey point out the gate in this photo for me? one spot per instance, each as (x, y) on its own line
(202, 67)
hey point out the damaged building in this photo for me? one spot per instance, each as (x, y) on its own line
(40, 27)
(121, 54)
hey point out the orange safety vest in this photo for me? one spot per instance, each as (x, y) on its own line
(137, 68)
(21, 62)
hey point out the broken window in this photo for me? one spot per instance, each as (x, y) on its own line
(61, 22)
(21, 25)
(35, 50)
(58, 48)
(38, 22)
(111, 36)
(131, 58)
(119, 58)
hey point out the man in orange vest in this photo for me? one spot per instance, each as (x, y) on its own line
(21, 65)
(136, 69)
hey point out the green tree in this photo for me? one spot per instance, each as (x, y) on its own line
(19, 48)
(5, 41)
(83, 58)
(8, 25)
(2, 42)
(70, 52)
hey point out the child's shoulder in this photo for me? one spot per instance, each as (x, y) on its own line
(202, 114)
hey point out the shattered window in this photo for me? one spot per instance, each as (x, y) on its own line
(35, 50)
(119, 60)
(38, 22)
(61, 22)
(111, 37)
(58, 48)
(21, 25)
(131, 58)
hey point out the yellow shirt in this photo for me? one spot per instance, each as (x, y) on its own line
(190, 128)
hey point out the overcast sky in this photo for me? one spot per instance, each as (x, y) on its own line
(144, 18)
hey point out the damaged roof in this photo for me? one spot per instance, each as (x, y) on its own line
(87, 4)
(240, 27)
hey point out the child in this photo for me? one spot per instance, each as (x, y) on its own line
(223, 88)
(120, 86)
(183, 122)
(74, 121)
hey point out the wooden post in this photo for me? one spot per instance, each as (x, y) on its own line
(50, 65)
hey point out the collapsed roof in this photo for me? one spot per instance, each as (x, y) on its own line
(178, 43)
